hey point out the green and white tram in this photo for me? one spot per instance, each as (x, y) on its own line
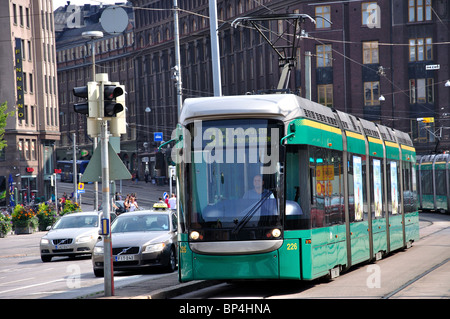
(433, 181)
(279, 187)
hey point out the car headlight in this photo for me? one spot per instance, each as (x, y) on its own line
(85, 239)
(154, 248)
(98, 250)
(44, 241)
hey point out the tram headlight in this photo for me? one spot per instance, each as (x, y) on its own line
(195, 235)
(276, 233)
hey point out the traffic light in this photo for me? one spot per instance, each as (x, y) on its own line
(83, 92)
(111, 107)
(89, 92)
(89, 107)
(118, 124)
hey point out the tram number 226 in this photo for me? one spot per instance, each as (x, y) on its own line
(291, 246)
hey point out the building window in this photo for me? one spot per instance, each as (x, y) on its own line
(24, 77)
(324, 55)
(27, 17)
(368, 9)
(20, 149)
(422, 132)
(371, 93)
(370, 52)
(419, 10)
(324, 12)
(21, 15)
(421, 90)
(31, 83)
(30, 53)
(325, 94)
(420, 49)
(33, 119)
(33, 150)
(14, 14)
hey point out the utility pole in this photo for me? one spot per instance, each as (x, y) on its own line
(308, 75)
(215, 53)
(177, 74)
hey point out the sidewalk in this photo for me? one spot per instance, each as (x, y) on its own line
(165, 287)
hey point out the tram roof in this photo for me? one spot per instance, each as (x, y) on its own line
(284, 107)
(279, 106)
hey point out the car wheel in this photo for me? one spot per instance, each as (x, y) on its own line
(172, 264)
(46, 259)
(98, 272)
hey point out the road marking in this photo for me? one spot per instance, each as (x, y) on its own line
(10, 282)
(31, 286)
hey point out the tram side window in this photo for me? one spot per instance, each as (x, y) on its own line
(393, 190)
(335, 188)
(409, 189)
(440, 182)
(316, 166)
(427, 182)
(357, 188)
(297, 188)
(327, 202)
(377, 182)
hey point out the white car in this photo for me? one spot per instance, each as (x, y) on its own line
(73, 234)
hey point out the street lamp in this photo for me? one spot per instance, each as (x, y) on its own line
(447, 84)
(92, 35)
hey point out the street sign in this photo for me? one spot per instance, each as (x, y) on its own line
(117, 169)
(425, 119)
(158, 136)
(81, 188)
(432, 67)
(104, 231)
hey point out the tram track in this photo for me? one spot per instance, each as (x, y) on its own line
(417, 278)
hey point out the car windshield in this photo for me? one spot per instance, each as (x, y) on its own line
(74, 221)
(136, 223)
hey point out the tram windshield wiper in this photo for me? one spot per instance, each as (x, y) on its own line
(251, 212)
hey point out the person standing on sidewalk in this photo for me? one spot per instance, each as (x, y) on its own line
(173, 202)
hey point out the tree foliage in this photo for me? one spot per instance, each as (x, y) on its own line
(3, 118)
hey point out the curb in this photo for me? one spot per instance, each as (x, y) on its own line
(170, 292)
(180, 289)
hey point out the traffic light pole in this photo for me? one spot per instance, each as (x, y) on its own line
(74, 170)
(103, 101)
(107, 245)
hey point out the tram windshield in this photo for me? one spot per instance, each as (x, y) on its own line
(234, 176)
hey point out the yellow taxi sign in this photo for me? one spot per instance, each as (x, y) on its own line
(160, 205)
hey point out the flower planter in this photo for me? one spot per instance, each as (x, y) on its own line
(22, 230)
